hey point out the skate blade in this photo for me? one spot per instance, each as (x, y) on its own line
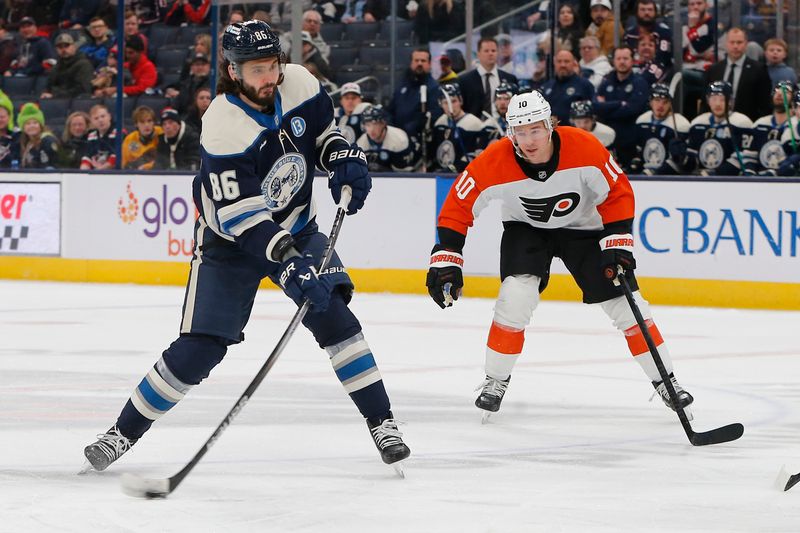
(86, 468)
(398, 469)
(140, 487)
(485, 417)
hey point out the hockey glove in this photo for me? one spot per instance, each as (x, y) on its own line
(445, 279)
(677, 149)
(349, 167)
(617, 251)
(299, 280)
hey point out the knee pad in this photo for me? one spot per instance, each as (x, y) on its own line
(518, 298)
(191, 357)
(336, 324)
(619, 311)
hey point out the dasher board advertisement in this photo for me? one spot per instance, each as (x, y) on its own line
(30, 218)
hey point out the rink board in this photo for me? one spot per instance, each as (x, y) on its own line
(732, 243)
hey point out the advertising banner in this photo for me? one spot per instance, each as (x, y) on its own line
(30, 218)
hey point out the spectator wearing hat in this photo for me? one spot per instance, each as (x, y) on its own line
(8, 47)
(38, 147)
(100, 42)
(35, 55)
(72, 75)
(312, 55)
(348, 115)
(448, 75)
(198, 76)
(179, 145)
(143, 71)
(74, 139)
(101, 144)
(183, 12)
(140, 146)
(9, 137)
(602, 25)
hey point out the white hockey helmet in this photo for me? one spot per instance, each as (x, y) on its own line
(527, 108)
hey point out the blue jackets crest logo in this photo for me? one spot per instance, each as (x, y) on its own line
(298, 126)
(284, 180)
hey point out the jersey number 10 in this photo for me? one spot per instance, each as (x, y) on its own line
(464, 185)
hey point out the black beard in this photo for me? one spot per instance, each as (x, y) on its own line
(646, 23)
(779, 108)
(252, 94)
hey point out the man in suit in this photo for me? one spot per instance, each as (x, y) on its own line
(478, 85)
(750, 79)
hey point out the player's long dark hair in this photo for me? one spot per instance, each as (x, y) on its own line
(225, 83)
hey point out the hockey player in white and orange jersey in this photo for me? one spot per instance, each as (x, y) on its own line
(563, 195)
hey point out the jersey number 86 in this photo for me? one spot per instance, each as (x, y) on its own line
(224, 185)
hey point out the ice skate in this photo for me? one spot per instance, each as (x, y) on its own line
(684, 398)
(389, 441)
(492, 392)
(109, 447)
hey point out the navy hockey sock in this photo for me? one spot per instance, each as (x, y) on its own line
(355, 367)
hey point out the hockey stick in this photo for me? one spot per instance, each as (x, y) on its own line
(142, 487)
(788, 118)
(733, 139)
(715, 436)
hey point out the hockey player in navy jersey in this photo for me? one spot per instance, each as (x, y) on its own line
(262, 136)
(458, 136)
(721, 141)
(768, 131)
(388, 149)
(348, 114)
(661, 132)
(581, 115)
(496, 125)
(791, 142)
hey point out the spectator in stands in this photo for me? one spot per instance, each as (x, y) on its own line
(478, 85)
(404, 109)
(649, 27)
(364, 11)
(183, 12)
(73, 73)
(569, 30)
(35, 54)
(76, 14)
(566, 87)
(200, 103)
(438, 20)
(198, 77)
(752, 88)
(698, 54)
(179, 146)
(646, 63)
(621, 98)
(132, 27)
(448, 75)
(312, 55)
(38, 147)
(348, 115)
(9, 136)
(8, 47)
(775, 52)
(142, 69)
(312, 23)
(388, 149)
(602, 25)
(140, 146)
(202, 45)
(104, 82)
(100, 42)
(73, 140)
(101, 144)
(236, 15)
(594, 66)
(149, 11)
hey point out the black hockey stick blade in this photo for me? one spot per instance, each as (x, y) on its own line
(717, 436)
(793, 480)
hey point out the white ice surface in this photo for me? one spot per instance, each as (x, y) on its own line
(576, 446)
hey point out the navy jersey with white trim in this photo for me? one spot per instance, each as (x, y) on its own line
(257, 170)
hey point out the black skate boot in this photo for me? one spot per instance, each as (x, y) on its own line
(389, 441)
(492, 392)
(684, 398)
(109, 447)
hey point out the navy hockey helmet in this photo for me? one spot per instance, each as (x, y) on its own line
(660, 90)
(581, 109)
(720, 87)
(374, 113)
(449, 89)
(797, 98)
(785, 85)
(246, 41)
(505, 89)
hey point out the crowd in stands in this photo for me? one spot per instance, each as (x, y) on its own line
(59, 60)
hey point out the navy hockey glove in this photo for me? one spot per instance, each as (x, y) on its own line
(349, 167)
(299, 280)
(445, 279)
(677, 149)
(617, 251)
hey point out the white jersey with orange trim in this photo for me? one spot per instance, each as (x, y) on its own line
(587, 190)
